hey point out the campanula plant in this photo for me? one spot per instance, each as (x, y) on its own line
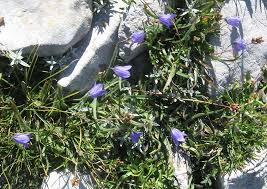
(170, 107)
(177, 136)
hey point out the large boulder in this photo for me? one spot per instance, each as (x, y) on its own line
(52, 26)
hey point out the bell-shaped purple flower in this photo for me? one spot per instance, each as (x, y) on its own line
(233, 20)
(122, 71)
(97, 90)
(135, 136)
(22, 138)
(177, 136)
(239, 44)
(138, 37)
(167, 19)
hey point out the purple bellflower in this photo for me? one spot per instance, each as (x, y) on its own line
(135, 136)
(167, 19)
(21, 138)
(122, 71)
(233, 20)
(239, 44)
(97, 90)
(138, 37)
(177, 136)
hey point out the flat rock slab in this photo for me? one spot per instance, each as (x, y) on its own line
(52, 25)
(227, 69)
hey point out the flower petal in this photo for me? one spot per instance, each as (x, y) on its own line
(239, 44)
(177, 136)
(233, 20)
(122, 71)
(97, 90)
(138, 37)
(127, 67)
(135, 136)
(167, 19)
(22, 138)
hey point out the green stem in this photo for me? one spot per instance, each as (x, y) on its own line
(94, 105)
(120, 84)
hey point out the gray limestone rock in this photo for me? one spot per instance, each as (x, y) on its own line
(180, 163)
(182, 169)
(53, 26)
(100, 44)
(67, 180)
(253, 176)
(226, 67)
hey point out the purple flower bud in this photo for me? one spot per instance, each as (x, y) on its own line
(122, 71)
(239, 44)
(135, 136)
(97, 90)
(138, 37)
(177, 136)
(233, 20)
(167, 19)
(23, 139)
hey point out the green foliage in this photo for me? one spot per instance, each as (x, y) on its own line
(220, 137)
(82, 134)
